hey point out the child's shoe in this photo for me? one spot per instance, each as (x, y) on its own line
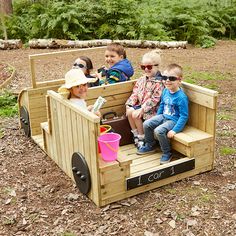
(165, 158)
(135, 138)
(140, 143)
(146, 149)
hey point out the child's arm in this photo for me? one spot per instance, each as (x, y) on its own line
(154, 99)
(114, 77)
(183, 117)
(132, 100)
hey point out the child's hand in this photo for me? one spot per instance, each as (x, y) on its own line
(171, 134)
(90, 107)
(98, 75)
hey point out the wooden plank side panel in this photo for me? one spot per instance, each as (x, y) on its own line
(116, 197)
(55, 133)
(193, 114)
(86, 148)
(199, 95)
(92, 144)
(69, 142)
(211, 121)
(202, 118)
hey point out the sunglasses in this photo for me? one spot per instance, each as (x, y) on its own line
(149, 67)
(170, 78)
(79, 65)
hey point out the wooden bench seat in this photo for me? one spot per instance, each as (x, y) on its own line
(191, 135)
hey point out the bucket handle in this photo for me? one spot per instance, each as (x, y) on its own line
(110, 147)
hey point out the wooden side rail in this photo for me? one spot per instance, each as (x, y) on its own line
(43, 56)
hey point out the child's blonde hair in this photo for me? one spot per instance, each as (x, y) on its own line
(64, 92)
(118, 48)
(177, 68)
(154, 55)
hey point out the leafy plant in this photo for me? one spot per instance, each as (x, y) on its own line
(227, 151)
(199, 22)
(8, 104)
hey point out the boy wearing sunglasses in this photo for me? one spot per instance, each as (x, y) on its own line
(143, 102)
(171, 117)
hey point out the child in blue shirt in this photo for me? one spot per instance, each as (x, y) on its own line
(171, 117)
(119, 68)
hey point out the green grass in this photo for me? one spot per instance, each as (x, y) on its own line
(224, 116)
(226, 133)
(8, 104)
(227, 151)
(193, 77)
(67, 234)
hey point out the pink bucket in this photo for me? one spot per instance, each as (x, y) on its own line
(109, 145)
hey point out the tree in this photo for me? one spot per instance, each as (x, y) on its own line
(5, 9)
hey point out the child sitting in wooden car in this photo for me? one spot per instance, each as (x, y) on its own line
(146, 95)
(119, 67)
(85, 64)
(171, 117)
(76, 87)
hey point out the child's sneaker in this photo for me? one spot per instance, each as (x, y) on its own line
(146, 149)
(140, 143)
(165, 158)
(135, 138)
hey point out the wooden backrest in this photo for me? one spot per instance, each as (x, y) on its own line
(202, 107)
(115, 94)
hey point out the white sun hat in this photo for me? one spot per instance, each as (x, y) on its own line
(75, 77)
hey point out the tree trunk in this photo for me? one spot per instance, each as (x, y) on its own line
(59, 43)
(6, 7)
(10, 44)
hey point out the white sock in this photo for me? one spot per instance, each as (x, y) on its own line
(135, 132)
(141, 136)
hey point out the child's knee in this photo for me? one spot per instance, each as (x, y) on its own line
(159, 131)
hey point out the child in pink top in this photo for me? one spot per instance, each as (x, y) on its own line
(143, 102)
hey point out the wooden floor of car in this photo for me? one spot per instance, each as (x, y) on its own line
(142, 164)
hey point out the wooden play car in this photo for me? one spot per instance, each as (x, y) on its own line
(69, 137)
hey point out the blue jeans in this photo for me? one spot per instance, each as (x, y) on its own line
(158, 127)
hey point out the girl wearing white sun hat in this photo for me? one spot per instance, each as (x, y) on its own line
(76, 87)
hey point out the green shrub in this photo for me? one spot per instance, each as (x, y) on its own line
(8, 104)
(199, 22)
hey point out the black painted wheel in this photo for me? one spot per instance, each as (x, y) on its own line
(81, 172)
(24, 120)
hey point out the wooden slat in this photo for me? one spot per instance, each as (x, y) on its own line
(211, 121)
(113, 175)
(38, 139)
(115, 100)
(199, 95)
(193, 114)
(111, 90)
(202, 118)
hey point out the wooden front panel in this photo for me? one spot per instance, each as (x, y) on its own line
(72, 131)
(37, 107)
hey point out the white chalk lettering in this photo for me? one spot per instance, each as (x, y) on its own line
(155, 176)
(139, 180)
(172, 170)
